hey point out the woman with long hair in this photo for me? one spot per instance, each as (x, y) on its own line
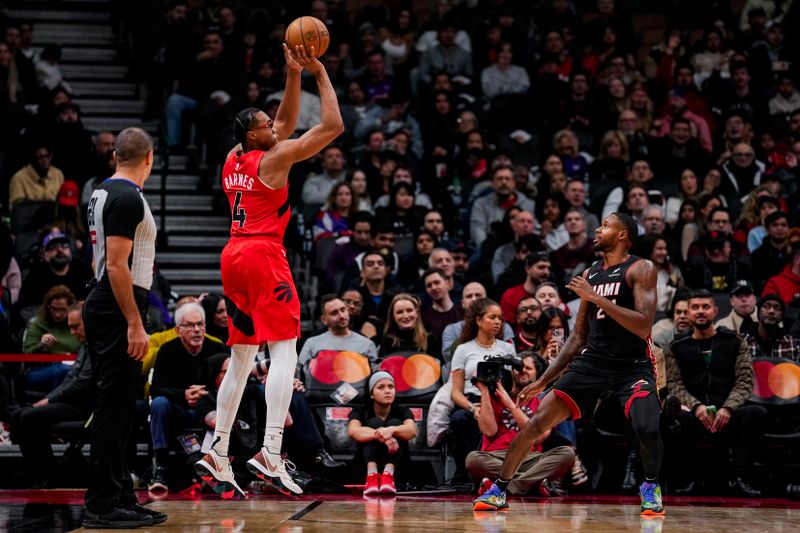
(415, 264)
(481, 338)
(48, 332)
(381, 429)
(550, 211)
(401, 212)
(397, 41)
(216, 315)
(552, 329)
(358, 181)
(654, 247)
(611, 164)
(333, 220)
(404, 330)
(688, 189)
(640, 102)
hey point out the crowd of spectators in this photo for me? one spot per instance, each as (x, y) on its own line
(483, 148)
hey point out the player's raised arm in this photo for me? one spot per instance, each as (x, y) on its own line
(331, 126)
(289, 108)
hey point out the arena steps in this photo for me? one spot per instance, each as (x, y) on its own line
(175, 183)
(111, 99)
(107, 108)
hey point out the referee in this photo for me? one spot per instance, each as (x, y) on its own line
(123, 235)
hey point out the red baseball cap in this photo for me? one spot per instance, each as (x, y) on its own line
(69, 194)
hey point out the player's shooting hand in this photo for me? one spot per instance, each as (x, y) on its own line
(702, 415)
(291, 62)
(721, 420)
(580, 286)
(526, 394)
(306, 60)
(137, 341)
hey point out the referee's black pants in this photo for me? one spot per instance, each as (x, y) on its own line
(118, 382)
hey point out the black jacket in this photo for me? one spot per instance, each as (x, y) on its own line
(726, 381)
(78, 386)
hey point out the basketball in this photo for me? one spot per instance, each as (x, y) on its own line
(308, 32)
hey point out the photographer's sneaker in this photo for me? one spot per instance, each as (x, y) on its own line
(485, 485)
(272, 469)
(215, 471)
(493, 499)
(579, 475)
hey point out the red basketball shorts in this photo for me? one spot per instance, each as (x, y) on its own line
(260, 296)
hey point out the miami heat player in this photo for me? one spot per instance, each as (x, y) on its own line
(260, 295)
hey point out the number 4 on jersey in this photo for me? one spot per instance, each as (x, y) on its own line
(238, 214)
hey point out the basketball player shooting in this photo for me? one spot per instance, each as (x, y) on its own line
(261, 299)
(611, 335)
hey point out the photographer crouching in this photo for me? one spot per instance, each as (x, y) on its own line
(499, 380)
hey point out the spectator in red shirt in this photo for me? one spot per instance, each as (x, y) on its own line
(537, 268)
(787, 283)
(500, 419)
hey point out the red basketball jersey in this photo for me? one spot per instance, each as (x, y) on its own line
(255, 208)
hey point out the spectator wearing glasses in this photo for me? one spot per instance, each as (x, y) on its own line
(57, 267)
(528, 312)
(740, 175)
(368, 326)
(37, 181)
(176, 386)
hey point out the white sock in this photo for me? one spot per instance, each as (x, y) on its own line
(388, 469)
(230, 394)
(278, 391)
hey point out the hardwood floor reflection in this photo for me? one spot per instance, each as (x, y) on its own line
(407, 515)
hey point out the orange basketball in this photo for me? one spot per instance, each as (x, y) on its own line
(308, 32)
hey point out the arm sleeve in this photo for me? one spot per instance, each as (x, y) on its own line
(123, 214)
(33, 333)
(77, 383)
(305, 353)
(459, 359)
(744, 378)
(371, 351)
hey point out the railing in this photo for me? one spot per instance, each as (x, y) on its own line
(36, 357)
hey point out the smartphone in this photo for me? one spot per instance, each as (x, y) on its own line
(558, 333)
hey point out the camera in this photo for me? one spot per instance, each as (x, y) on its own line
(496, 368)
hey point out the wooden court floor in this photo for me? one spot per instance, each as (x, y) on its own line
(445, 514)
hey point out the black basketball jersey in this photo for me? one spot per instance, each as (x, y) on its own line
(606, 336)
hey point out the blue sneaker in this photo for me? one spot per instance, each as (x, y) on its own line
(493, 499)
(651, 499)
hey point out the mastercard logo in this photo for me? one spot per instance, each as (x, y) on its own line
(776, 379)
(331, 367)
(416, 372)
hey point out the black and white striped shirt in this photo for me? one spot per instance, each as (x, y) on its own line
(118, 209)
